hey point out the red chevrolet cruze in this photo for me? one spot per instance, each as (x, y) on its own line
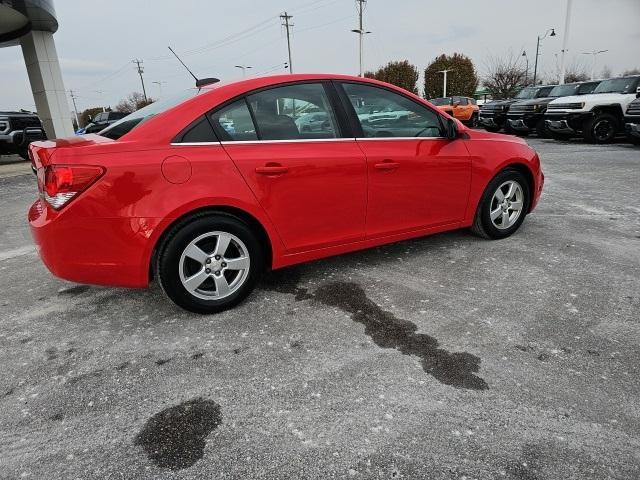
(206, 190)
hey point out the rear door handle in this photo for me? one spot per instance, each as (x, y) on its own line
(386, 165)
(272, 169)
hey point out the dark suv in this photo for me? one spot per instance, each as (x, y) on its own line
(632, 121)
(101, 121)
(493, 115)
(18, 130)
(528, 115)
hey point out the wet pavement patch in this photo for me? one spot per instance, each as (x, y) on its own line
(457, 369)
(175, 437)
(286, 280)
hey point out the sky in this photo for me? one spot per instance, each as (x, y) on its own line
(97, 39)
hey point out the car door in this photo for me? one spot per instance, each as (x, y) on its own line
(310, 182)
(417, 178)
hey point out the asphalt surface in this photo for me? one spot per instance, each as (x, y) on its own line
(447, 357)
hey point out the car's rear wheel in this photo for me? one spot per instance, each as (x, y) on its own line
(601, 129)
(209, 263)
(503, 206)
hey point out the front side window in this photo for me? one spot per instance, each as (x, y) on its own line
(234, 122)
(618, 85)
(294, 112)
(462, 101)
(383, 113)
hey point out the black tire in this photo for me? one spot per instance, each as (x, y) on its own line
(602, 128)
(168, 261)
(492, 129)
(507, 128)
(633, 140)
(473, 121)
(24, 153)
(482, 224)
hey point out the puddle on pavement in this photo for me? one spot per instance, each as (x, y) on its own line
(286, 280)
(457, 369)
(175, 437)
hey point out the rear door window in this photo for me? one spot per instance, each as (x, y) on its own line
(234, 122)
(294, 112)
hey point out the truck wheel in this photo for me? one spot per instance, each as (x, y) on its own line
(508, 129)
(24, 153)
(601, 129)
(473, 122)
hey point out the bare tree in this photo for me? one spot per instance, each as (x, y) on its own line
(632, 71)
(606, 72)
(574, 72)
(134, 101)
(504, 76)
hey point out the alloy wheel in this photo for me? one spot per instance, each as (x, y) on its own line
(214, 265)
(603, 130)
(506, 205)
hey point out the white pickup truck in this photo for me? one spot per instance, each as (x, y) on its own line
(599, 116)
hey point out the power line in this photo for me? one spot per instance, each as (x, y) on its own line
(285, 18)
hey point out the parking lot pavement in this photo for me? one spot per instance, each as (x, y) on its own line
(447, 357)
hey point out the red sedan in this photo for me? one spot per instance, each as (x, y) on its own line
(206, 190)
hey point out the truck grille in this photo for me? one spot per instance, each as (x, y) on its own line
(521, 108)
(20, 123)
(634, 108)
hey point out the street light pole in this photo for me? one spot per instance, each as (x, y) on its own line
(159, 83)
(444, 86)
(593, 65)
(526, 74)
(244, 68)
(551, 32)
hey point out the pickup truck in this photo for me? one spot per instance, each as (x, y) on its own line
(464, 109)
(599, 116)
(493, 115)
(101, 121)
(632, 121)
(18, 130)
(528, 115)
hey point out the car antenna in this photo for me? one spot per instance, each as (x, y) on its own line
(200, 82)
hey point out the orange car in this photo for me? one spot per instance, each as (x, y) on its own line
(464, 109)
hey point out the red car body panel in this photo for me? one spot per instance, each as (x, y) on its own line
(334, 198)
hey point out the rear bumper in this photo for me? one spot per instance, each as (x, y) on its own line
(99, 251)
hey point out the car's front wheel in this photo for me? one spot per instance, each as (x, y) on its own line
(209, 263)
(503, 205)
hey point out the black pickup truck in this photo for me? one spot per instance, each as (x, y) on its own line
(493, 115)
(632, 121)
(18, 130)
(528, 115)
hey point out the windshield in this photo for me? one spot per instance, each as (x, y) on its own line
(564, 90)
(617, 85)
(131, 121)
(529, 92)
(441, 101)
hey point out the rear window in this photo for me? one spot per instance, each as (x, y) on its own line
(131, 121)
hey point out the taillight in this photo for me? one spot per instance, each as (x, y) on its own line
(60, 183)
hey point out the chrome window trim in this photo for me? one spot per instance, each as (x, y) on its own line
(301, 140)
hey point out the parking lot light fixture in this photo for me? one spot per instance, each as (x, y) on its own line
(551, 33)
(444, 85)
(595, 53)
(243, 68)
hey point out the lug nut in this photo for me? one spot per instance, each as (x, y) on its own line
(217, 272)
(224, 264)
(208, 260)
(217, 257)
(208, 270)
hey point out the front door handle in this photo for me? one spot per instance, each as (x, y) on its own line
(386, 165)
(272, 169)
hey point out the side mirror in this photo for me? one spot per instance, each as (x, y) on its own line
(451, 129)
(638, 92)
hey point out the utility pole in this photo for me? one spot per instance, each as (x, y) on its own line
(444, 87)
(285, 18)
(361, 32)
(140, 71)
(565, 37)
(75, 108)
(593, 65)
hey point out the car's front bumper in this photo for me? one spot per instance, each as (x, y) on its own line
(492, 120)
(21, 138)
(524, 123)
(566, 122)
(633, 128)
